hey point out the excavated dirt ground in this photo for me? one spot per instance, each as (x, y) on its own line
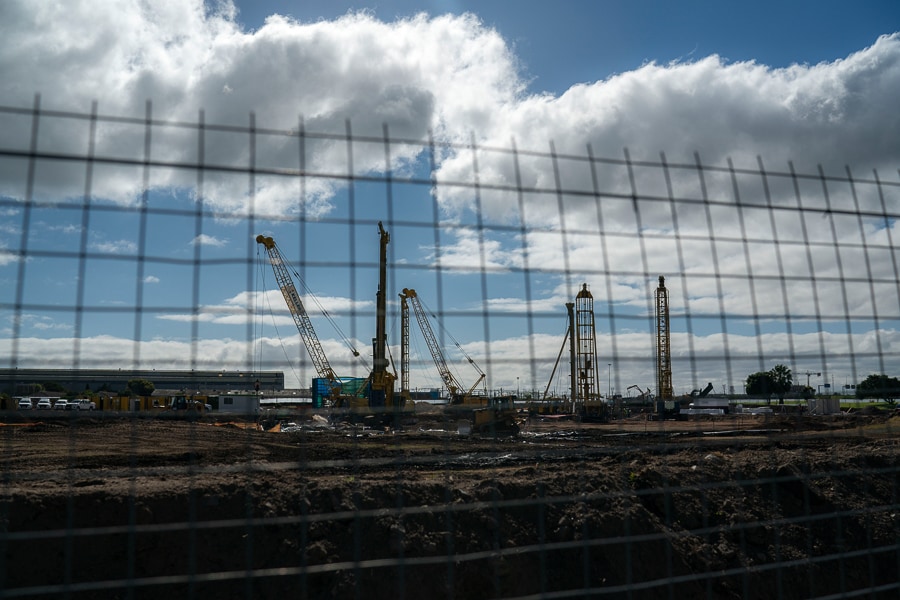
(727, 507)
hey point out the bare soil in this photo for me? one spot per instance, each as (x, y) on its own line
(727, 507)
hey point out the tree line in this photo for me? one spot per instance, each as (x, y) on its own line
(779, 380)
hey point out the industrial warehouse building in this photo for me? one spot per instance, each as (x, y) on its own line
(23, 381)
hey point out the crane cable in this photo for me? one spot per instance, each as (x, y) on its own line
(433, 380)
(261, 281)
(310, 296)
(450, 335)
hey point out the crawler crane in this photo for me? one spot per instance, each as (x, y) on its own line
(304, 326)
(486, 415)
(374, 399)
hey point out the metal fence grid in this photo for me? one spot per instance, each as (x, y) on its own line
(766, 265)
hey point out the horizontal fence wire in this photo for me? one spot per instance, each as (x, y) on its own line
(766, 295)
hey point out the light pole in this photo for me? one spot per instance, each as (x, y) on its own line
(608, 380)
(808, 374)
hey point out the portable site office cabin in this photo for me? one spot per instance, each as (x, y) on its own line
(242, 404)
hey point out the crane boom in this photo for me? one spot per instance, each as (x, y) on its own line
(437, 355)
(484, 414)
(298, 312)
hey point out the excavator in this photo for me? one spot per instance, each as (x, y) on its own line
(484, 414)
(643, 396)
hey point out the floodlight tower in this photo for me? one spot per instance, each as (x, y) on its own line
(663, 349)
(586, 346)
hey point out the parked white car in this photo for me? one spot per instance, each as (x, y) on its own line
(61, 404)
(44, 404)
(25, 404)
(83, 404)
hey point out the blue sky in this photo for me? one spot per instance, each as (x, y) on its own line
(814, 83)
(563, 43)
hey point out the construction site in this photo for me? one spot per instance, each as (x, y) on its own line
(384, 398)
(375, 495)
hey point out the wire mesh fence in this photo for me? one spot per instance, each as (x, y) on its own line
(129, 255)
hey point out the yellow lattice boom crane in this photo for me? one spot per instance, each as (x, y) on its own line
(485, 414)
(454, 388)
(302, 320)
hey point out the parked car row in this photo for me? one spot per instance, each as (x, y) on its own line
(59, 404)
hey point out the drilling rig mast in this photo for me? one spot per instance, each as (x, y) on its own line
(667, 406)
(381, 394)
(588, 401)
(404, 347)
(663, 349)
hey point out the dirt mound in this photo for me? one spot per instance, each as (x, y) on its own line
(718, 509)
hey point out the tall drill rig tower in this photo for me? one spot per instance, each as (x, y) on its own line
(589, 404)
(586, 346)
(381, 393)
(663, 349)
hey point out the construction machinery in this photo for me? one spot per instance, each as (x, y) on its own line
(642, 403)
(191, 403)
(643, 398)
(585, 401)
(338, 401)
(484, 414)
(702, 393)
(553, 405)
(667, 407)
(375, 398)
(184, 405)
(383, 400)
(589, 404)
(405, 392)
